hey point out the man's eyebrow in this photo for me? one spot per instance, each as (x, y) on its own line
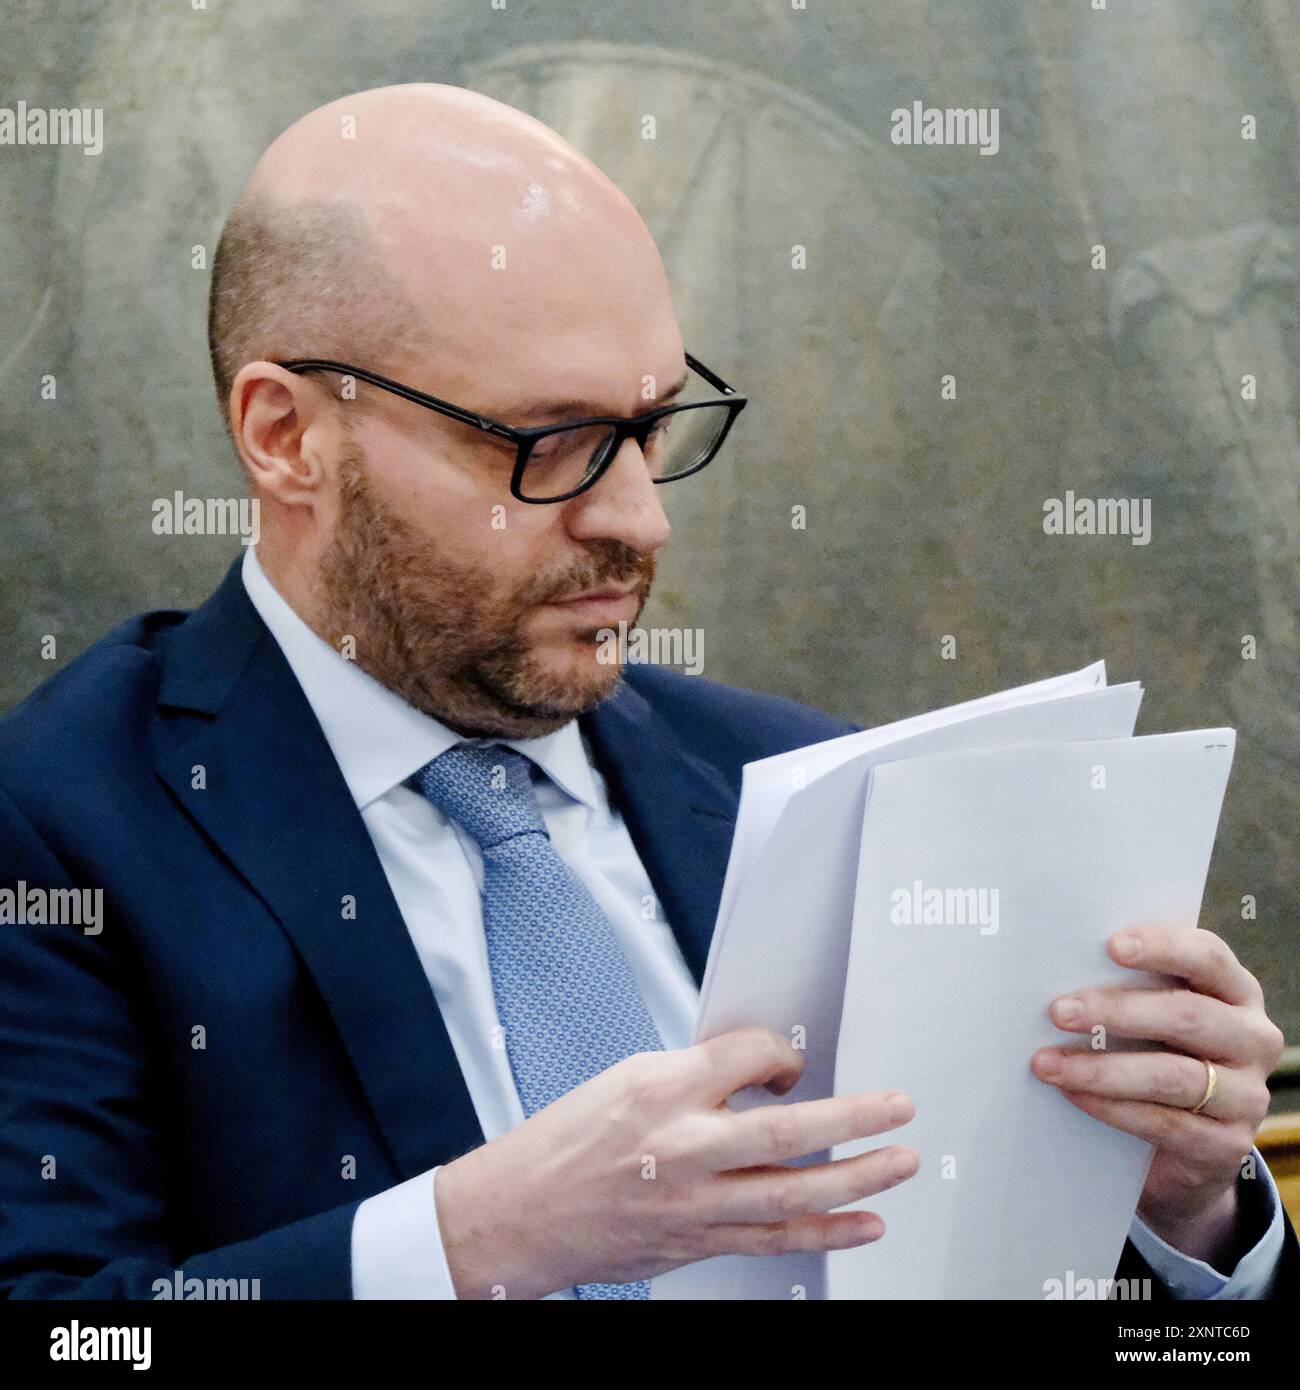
(546, 411)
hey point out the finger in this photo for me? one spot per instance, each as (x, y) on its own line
(1203, 1142)
(1200, 957)
(780, 1194)
(838, 1231)
(1163, 1078)
(778, 1133)
(1186, 1022)
(746, 1057)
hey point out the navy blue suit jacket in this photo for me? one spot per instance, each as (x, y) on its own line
(325, 1054)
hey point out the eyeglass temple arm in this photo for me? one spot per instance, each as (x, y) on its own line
(711, 377)
(457, 412)
(469, 417)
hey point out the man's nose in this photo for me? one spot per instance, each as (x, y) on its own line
(624, 505)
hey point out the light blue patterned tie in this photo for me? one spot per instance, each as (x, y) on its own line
(564, 991)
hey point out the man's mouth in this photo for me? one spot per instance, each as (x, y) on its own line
(607, 601)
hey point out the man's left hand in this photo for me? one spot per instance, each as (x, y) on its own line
(1213, 1013)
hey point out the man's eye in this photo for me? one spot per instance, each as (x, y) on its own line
(657, 434)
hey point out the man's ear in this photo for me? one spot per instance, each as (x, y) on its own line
(284, 429)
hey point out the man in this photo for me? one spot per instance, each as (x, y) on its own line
(406, 891)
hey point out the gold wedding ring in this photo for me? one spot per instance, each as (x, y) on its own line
(1211, 1085)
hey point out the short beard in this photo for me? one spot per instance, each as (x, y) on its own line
(429, 629)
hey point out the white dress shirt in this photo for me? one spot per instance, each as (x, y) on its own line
(435, 871)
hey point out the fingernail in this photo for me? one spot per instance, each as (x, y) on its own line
(1068, 1010)
(1048, 1065)
(1127, 946)
(906, 1166)
(898, 1108)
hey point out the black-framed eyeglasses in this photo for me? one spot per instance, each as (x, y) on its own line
(556, 462)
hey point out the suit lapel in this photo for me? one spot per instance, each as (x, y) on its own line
(276, 805)
(679, 811)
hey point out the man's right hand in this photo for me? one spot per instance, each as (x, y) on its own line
(645, 1168)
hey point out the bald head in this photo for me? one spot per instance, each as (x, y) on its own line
(430, 227)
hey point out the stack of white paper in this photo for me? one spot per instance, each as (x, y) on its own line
(1044, 827)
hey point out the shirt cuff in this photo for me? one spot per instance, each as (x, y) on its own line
(396, 1245)
(1256, 1271)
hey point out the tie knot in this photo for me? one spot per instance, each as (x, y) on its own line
(487, 789)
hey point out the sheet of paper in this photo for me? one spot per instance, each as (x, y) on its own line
(1017, 1187)
(779, 958)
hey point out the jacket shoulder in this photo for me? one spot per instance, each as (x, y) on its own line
(728, 724)
(89, 707)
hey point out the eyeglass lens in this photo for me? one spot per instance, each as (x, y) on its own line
(564, 460)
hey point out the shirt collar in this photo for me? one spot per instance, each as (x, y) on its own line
(377, 738)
